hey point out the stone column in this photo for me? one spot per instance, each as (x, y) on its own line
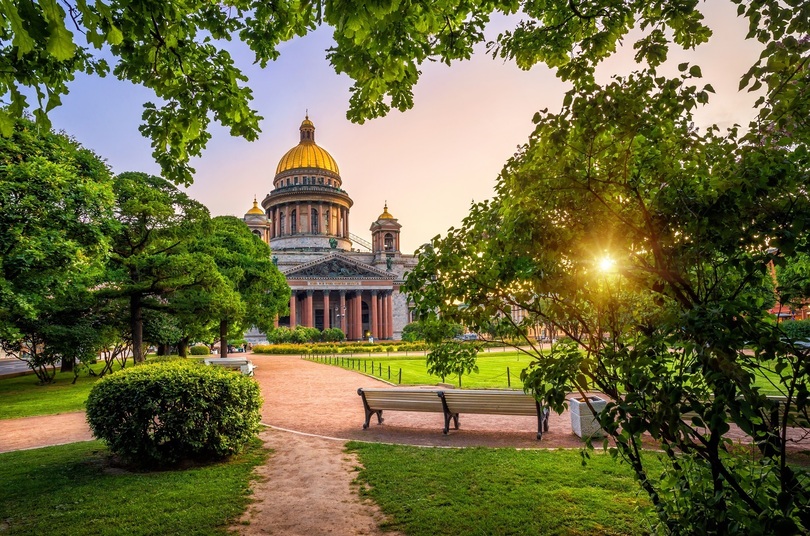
(389, 310)
(293, 299)
(310, 320)
(383, 316)
(342, 311)
(373, 315)
(326, 310)
(358, 313)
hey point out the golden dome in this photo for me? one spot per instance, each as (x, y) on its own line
(385, 215)
(256, 209)
(307, 154)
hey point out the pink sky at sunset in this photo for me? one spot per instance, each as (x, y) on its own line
(429, 163)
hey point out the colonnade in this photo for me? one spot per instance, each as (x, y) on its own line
(331, 220)
(358, 313)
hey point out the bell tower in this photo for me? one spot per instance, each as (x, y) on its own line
(385, 237)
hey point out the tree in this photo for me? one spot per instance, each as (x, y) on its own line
(55, 211)
(178, 51)
(654, 239)
(255, 292)
(150, 259)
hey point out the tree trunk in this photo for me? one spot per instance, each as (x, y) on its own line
(163, 349)
(223, 338)
(136, 325)
(182, 347)
(68, 364)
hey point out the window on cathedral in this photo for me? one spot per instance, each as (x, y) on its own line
(314, 219)
(293, 222)
(295, 180)
(388, 241)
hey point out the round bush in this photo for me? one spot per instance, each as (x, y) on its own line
(200, 349)
(161, 414)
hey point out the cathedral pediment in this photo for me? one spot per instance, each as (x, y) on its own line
(336, 266)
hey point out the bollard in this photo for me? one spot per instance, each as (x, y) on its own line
(508, 378)
(400, 376)
(380, 370)
(365, 366)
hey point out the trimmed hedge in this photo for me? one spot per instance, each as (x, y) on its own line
(173, 411)
(200, 349)
(345, 348)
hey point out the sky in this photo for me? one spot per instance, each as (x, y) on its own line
(428, 163)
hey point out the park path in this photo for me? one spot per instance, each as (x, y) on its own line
(43, 431)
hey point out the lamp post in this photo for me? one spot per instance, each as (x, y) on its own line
(338, 315)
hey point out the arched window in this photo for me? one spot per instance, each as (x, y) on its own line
(294, 222)
(388, 242)
(281, 221)
(313, 217)
(257, 233)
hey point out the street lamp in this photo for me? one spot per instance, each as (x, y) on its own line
(338, 315)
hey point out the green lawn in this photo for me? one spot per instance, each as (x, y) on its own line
(492, 369)
(432, 491)
(71, 489)
(24, 397)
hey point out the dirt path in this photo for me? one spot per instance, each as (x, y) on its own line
(306, 490)
(46, 430)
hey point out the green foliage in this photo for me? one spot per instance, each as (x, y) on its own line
(333, 335)
(796, 330)
(452, 358)
(677, 325)
(430, 329)
(55, 213)
(53, 490)
(337, 348)
(380, 47)
(168, 412)
(150, 258)
(254, 292)
(200, 349)
(540, 492)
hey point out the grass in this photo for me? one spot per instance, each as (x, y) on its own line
(432, 491)
(24, 397)
(492, 369)
(72, 489)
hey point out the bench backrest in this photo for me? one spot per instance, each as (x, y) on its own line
(403, 399)
(490, 402)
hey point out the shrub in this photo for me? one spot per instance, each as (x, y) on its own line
(796, 329)
(161, 414)
(155, 360)
(200, 349)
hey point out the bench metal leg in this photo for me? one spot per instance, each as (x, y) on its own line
(448, 415)
(369, 411)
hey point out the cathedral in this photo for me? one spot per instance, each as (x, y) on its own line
(338, 280)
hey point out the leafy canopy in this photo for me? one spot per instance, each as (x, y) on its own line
(179, 51)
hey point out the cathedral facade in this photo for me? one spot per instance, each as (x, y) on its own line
(338, 280)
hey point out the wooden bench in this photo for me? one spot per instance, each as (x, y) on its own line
(451, 403)
(244, 365)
